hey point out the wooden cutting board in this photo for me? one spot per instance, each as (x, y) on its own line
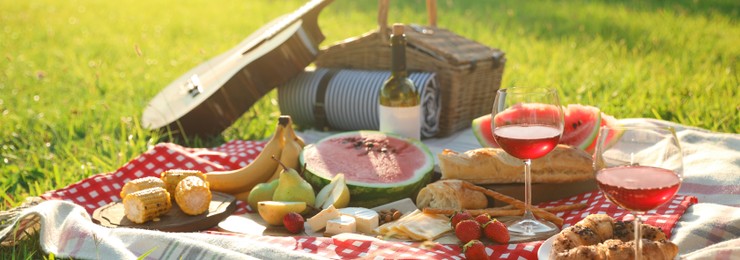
(222, 205)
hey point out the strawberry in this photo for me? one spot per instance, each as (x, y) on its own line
(293, 222)
(483, 218)
(496, 231)
(475, 250)
(468, 230)
(459, 216)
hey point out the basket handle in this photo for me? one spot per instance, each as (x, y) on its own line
(383, 6)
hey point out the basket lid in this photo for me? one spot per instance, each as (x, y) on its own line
(448, 46)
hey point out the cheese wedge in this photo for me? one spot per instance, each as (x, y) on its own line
(366, 219)
(318, 221)
(342, 224)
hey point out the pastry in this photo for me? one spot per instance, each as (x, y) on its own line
(450, 194)
(598, 236)
(494, 165)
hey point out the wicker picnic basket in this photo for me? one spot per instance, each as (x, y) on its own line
(468, 73)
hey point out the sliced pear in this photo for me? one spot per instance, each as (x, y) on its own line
(274, 211)
(339, 195)
(325, 191)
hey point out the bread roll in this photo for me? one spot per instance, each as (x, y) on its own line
(450, 194)
(494, 165)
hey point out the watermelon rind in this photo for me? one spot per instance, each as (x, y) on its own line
(373, 194)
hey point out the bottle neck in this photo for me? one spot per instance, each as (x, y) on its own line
(398, 56)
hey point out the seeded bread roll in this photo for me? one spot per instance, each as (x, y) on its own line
(450, 194)
(494, 165)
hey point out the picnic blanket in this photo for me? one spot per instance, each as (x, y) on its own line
(710, 228)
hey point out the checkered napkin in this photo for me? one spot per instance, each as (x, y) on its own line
(99, 190)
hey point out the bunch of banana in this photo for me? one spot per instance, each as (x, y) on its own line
(293, 145)
(259, 171)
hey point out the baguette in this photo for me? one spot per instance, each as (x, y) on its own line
(493, 165)
(450, 194)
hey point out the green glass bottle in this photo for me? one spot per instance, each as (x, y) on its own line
(399, 106)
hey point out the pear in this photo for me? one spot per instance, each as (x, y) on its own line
(274, 211)
(291, 187)
(262, 192)
(335, 193)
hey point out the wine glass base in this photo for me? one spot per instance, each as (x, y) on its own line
(531, 227)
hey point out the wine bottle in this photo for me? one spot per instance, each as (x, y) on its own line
(399, 105)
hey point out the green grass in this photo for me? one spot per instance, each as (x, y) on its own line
(76, 75)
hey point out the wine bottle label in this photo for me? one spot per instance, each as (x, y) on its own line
(403, 121)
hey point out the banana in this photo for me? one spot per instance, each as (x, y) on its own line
(293, 136)
(291, 150)
(260, 170)
(243, 196)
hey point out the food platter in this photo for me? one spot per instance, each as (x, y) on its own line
(222, 205)
(544, 252)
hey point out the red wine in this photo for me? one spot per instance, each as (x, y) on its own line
(638, 188)
(527, 141)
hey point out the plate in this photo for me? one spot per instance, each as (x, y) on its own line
(222, 205)
(545, 249)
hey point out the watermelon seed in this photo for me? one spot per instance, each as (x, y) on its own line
(577, 124)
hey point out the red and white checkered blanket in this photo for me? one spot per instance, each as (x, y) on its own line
(102, 189)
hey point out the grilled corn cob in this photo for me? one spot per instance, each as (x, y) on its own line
(172, 177)
(141, 184)
(145, 205)
(193, 196)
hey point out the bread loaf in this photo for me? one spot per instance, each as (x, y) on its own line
(450, 194)
(494, 165)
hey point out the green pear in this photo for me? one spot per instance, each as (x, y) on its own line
(291, 187)
(262, 192)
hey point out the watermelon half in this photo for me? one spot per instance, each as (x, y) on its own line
(379, 168)
(581, 124)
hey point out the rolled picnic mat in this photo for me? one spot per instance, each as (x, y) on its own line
(345, 99)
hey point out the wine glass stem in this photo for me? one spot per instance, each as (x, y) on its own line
(638, 237)
(528, 190)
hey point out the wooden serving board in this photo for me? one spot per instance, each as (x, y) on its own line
(222, 205)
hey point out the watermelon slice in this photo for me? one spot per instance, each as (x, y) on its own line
(581, 124)
(378, 168)
(482, 125)
(608, 121)
(484, 132)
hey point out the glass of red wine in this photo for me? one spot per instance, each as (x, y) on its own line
(640, 171)
(527, 124)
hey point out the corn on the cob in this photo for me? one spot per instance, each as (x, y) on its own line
(172, 177)
(193, 196)
(145, 205)
(141, 184)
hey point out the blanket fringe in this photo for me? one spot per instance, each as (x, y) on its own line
(9, 236)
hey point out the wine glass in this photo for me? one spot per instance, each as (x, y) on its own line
(639, 172)
(527, 124)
